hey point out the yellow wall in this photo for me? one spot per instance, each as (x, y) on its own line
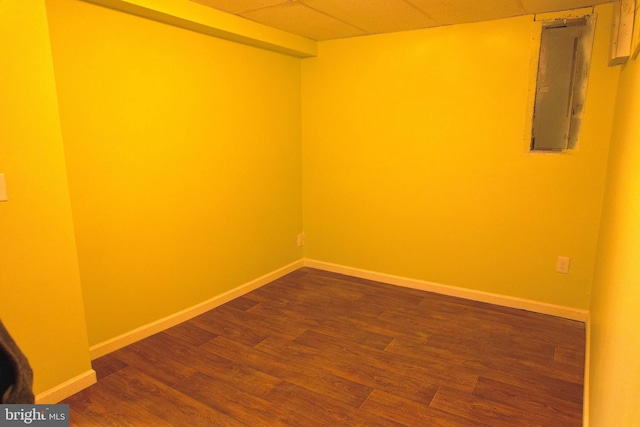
(184, 162)
(40, 295)
(615, 306)
(415, 162)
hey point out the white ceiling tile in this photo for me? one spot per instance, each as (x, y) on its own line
(542, 6)
(299, 19)
(374, 16)
(448, 12)
(236, 6)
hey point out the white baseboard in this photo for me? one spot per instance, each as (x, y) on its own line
(159, 325)
(88, 378)
(471, 294)
(587, 375)
(67, 388)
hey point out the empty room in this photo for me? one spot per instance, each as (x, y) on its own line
(321, 212)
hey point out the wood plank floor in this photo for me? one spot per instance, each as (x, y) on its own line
(321, 349)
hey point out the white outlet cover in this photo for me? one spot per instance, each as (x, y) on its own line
(3, 189)
(562, 265)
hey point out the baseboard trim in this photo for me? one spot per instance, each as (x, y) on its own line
(587, 374)
(503, 300)
(67, 388)
(159, 325)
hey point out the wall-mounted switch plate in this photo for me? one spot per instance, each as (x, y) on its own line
(3, 189)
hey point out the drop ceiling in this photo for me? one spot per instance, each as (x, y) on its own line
(334, 19)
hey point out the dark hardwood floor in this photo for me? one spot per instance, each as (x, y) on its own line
(321, 349)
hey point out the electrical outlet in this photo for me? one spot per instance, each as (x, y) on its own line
(562, 265)
(300, 239)
(3, 189)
